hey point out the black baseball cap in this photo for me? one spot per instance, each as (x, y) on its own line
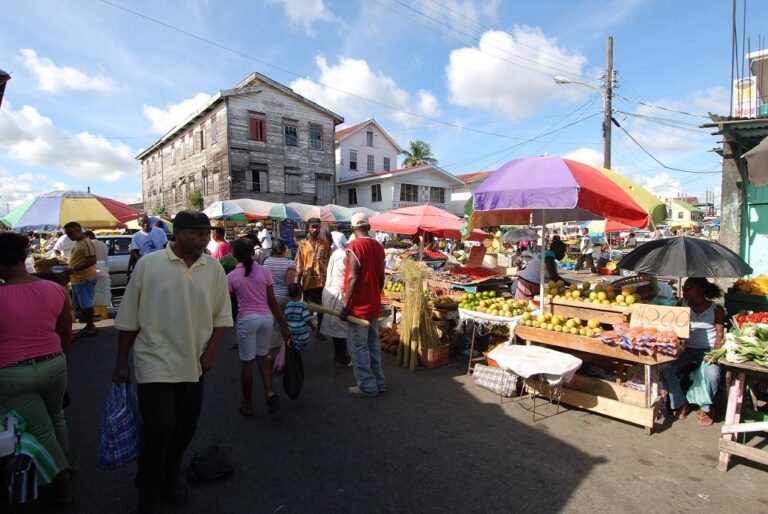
(191, 218)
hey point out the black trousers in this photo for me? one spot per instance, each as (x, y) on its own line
(169, 414)
(315, 295)
(585, 257)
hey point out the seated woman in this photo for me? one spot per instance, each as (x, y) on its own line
(605, 254)
(528, 282)
(707, 326)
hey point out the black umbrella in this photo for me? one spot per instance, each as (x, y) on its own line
(685, 257)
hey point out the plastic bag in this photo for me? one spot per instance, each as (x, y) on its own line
(210, 464)
(698, 394)
(279, 368)
(119, 435)
(293, 378)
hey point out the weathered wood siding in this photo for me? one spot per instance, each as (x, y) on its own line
(274, 153)
(181, 166)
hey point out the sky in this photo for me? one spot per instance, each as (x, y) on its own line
(92, 84)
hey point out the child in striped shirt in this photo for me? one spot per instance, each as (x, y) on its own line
(298, 317)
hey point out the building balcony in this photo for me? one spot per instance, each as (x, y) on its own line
(400, 205)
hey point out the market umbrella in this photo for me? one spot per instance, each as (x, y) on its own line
(685, 257)
(49, 211)
(226, 210)
(246, 209)
(427, 218)
(520, 234)
(606, 226)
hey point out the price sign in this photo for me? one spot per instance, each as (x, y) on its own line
(662, 316)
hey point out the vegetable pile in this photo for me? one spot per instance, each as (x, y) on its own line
(750, 342)
(643, 339)
(756, 317)
(429, 255)
(467, 275)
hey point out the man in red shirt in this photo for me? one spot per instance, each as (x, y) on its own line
(363, 282)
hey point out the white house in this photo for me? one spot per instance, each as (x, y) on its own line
(404, 187)
(461, 194)
(364, 149)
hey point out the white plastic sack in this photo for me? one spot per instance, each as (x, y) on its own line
(528, 361)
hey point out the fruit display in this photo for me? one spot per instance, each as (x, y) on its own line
(489, 303)
(461, 256)
(394, 286)
(573, 326)
(601, 294)
(643, 339)
(755, 317)
(755, 285)
(389, 338)
(468, 275)
(428, 255)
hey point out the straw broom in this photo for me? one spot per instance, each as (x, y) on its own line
(417, 330)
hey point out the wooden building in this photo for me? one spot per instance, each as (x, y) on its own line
(258, 140)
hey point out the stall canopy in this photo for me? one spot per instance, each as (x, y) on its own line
(52, 210)
(427, 218)
(606, 226)
(247, 209)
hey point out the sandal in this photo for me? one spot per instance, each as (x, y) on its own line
(244, 412)
(682, 412)
(705, 418)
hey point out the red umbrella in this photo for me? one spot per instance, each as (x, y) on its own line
(411, 220)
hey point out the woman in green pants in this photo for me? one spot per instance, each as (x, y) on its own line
(34, 331)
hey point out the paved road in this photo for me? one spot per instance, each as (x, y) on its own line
(433, 443)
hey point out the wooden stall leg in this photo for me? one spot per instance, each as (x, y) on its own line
(471, 349)
(732, 416)
(648, 382)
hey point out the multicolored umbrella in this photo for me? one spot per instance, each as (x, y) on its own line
(52, 210)
(411, 220)
(554, 189)
(603, 226)
(329, 213)
(247, 209)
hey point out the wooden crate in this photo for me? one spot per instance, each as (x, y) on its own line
(610, 314)
(434, 357)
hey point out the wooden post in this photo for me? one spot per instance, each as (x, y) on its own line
(732, 415)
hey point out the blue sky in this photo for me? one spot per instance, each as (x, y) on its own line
(92, 84)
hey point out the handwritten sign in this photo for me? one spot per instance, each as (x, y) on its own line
(662, 316)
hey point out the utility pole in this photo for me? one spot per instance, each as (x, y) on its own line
(608, 106)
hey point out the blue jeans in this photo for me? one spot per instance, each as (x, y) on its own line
(365, 350)
(688, 357)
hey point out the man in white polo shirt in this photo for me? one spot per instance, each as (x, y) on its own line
(174, 314)
(586, 251)
(265, 239)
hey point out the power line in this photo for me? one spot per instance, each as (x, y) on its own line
(489, 28)
(474, 38)
(289, 72)
(695, 115)
(658, 161)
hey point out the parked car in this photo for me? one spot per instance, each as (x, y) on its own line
(119, 255)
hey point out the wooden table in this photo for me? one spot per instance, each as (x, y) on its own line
(603, 396)
(732, 427)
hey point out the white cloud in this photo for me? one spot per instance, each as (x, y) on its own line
(662, 184)
(306, 13)
(165, 119)
(15, 189)
(356, 77)
(484, 77)
(134, 197)
(31, 138)
(586, 155)
(713, 99)
(52, 78)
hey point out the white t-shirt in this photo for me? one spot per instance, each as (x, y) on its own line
(102, 252)
(265, 239)
(65, 245)
(586, 245)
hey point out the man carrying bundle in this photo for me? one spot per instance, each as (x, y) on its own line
(363, 282)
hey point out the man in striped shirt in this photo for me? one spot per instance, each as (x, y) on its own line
(298, 317)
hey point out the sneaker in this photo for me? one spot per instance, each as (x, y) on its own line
(355, 390)
(175, 493)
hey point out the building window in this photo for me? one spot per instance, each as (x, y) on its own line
(200, 143)
(436, 195)
(257, 124)
(370, 164)
(369, 138)
(352, 196)
(409, 193)
(215, 181)
(291, 132)
(214, 131)
(376, 193)
(189, 144)
(173, 154)
(205, 183)
(386, 163)
(315, 137)
(680, 215)
(292, 181)
(353, 160)
(257, 178)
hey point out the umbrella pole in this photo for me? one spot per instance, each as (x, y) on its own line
(543, 264)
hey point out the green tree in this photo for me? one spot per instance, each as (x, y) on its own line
(195, 200)
(418, 153)
(160, 209)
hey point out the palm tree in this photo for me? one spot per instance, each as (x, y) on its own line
(418, 153)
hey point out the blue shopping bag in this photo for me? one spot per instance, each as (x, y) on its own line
(119, 435)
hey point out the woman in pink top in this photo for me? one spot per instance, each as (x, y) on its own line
(34, 334)
(257, 309)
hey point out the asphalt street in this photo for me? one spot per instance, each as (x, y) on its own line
(434, 442)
